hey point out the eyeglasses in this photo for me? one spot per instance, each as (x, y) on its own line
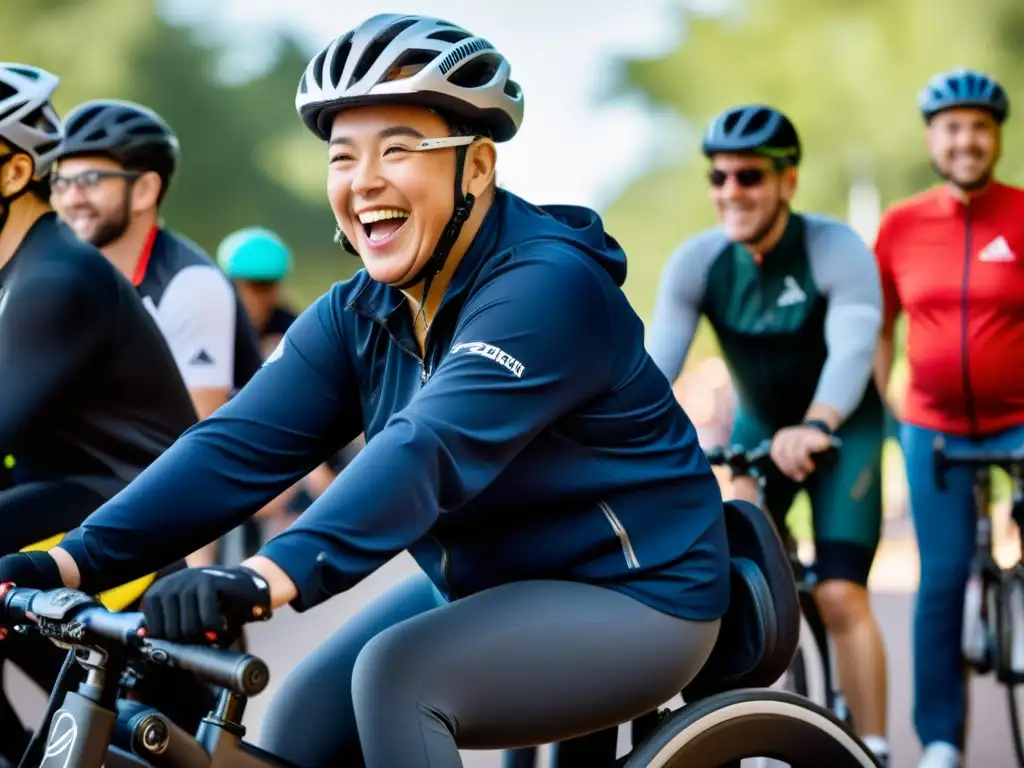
(87, 180)
(443, 143)
(745, 177)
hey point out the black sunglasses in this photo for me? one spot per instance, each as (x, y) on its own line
(745, 177)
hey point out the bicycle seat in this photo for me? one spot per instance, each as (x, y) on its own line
(761, 628)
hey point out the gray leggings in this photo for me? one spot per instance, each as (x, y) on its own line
(410, 680)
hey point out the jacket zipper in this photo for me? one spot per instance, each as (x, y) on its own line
(965, 370)
(425, 372)
(620, 533)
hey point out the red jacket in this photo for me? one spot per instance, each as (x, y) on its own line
(957, 270)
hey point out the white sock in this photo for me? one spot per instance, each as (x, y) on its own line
(877, 744)
(940, 754)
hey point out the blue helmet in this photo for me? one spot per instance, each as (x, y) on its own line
(754, 129)
(963, 88)
(254, 253)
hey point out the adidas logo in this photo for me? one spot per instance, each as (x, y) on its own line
(791, 294)
(997, 250)
(201, 358)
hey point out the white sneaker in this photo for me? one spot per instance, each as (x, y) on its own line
(939, 754)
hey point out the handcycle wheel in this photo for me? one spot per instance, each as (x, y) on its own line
(750, 723)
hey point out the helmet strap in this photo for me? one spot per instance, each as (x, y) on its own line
(7, 200)
(460, 213)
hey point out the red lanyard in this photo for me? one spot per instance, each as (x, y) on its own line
(143, 262)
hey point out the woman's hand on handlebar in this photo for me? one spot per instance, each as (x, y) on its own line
(793, 449)
(210, 604)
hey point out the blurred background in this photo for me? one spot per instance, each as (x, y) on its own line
(616, 96)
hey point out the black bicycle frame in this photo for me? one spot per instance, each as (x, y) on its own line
(82, 730)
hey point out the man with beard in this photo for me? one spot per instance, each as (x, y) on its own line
(951, 259)
(795, 302)
(90, 394)
(112, 174)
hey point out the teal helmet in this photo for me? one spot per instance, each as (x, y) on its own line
(254, 253)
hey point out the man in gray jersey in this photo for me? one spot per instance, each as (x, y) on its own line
(795, 301)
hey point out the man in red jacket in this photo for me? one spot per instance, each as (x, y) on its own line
(952, 258)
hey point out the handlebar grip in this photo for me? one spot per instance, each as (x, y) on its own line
(15, 603)
(240, 673)
(830, 456)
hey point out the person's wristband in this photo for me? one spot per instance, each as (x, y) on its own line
(819, 425)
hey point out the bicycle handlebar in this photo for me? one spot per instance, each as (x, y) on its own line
(945, 459)
(76, 619)
(743, 462)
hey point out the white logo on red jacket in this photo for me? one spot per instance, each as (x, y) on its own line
(997, 250)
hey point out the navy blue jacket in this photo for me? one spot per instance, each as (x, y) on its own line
(535, 439)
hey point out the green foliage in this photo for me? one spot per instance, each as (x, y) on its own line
(246, 158)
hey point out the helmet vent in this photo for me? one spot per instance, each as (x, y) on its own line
(83, 119)
(731, 120)
(470, 47)
(340, 57)
(376, 48)
(29, 73)
(7, 91)
(757, 122)
(38, 120)
(408, 64)
(318, 68)
(449, 35)
(146, 130)
(476, 73)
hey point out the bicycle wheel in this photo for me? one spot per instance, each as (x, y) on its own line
(1006, 632)
(752, 723)
(807, 675)
(1016, 708)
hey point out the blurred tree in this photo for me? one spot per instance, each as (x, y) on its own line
(246, 158)
(846, 71)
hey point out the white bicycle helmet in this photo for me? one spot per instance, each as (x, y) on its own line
(27, 119)
(418, 60)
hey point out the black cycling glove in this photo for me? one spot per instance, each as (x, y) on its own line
(199, 605)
